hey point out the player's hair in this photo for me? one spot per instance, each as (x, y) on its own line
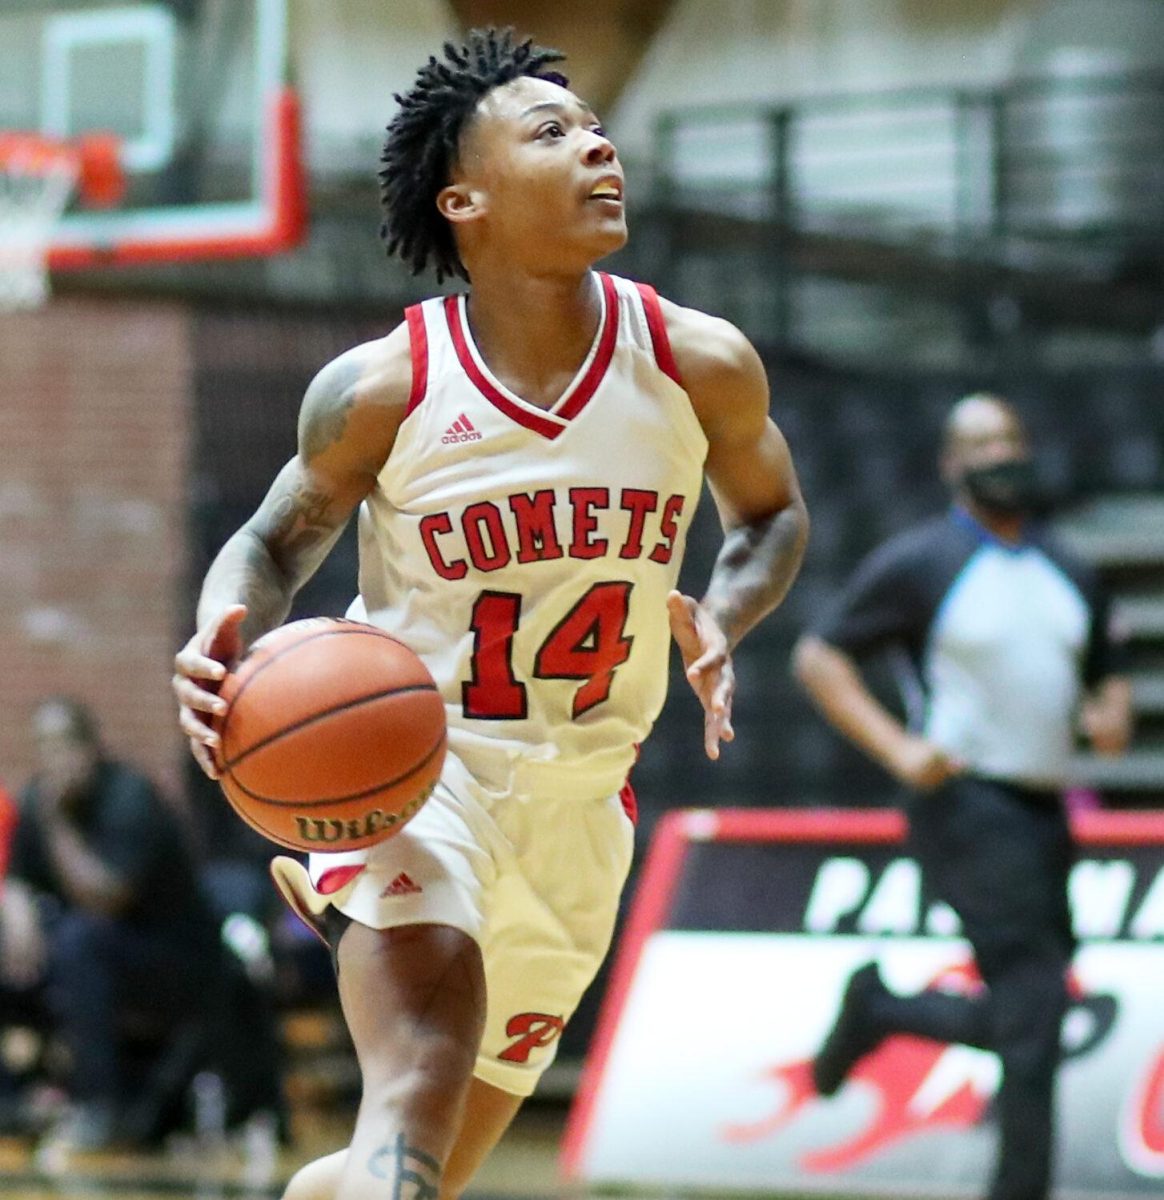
(423, 138)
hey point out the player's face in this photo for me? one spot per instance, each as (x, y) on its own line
(545, 178)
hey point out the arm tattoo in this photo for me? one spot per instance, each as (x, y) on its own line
(413, 1174)
(327, 406)
(278, 550)
(264, 571)
(299, 522)
(755, 568)
(328, 427)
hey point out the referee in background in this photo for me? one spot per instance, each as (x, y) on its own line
(1004, 643)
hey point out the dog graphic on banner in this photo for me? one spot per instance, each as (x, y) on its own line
(921, 1085)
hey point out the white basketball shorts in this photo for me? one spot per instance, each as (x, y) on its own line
(534, 880)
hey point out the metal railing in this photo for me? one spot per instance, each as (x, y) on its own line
(1073, 156)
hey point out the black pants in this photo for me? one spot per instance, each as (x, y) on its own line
(113, 988)
(101, 970)
(104, 969)
(999, 855)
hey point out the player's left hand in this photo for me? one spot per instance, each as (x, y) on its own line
(708, 664)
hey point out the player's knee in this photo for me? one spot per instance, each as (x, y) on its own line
(318, 1180)
(428, 1076)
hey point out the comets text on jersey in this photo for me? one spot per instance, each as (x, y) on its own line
(578, 523)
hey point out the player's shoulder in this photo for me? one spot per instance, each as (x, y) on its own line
(359, 399)
(373, 373)
(706, 347)
(362, 394)
(720, 371)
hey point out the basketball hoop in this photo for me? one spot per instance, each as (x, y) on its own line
(38, 178)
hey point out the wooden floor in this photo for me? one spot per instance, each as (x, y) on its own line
(321, 1085)
(524, 1166)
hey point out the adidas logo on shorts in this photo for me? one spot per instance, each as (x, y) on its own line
(402, 885)
(461, 430)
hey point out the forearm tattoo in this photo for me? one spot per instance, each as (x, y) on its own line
(263, 572)
(299, 523)
(755, 568)
(413, 1174)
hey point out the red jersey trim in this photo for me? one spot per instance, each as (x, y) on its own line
(574, 401)
(548, 429)
(418, 344)
(577, 400)
(660, 341)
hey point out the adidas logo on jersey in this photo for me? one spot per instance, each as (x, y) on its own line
(461, 430)
(403, 885)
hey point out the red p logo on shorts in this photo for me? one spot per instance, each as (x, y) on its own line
(532, 1030)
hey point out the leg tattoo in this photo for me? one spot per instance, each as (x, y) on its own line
(414, 1174)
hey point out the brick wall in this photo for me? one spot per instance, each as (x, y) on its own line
(94, 432)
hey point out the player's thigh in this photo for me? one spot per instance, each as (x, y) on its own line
(552, 919)
(413, 998)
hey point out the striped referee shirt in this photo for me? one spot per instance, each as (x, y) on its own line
(993, 643)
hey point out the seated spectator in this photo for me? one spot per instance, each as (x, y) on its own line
(15, 1006)
(102, 913)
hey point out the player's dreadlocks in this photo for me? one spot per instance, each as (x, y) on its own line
(423, 139)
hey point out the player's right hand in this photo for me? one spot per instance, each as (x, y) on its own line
(708, 665)
(924, 766)
(199, 667)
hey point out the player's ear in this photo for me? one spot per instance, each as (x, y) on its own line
(460, 202)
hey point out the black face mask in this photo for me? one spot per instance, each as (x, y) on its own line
(1008, 488)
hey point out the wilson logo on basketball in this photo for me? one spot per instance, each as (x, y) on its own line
(461, 430)
(532, 1031)
(314, 830)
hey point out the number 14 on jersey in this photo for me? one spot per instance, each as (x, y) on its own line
(589, 644)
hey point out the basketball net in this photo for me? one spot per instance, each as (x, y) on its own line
(38, 178)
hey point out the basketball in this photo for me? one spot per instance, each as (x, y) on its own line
(333, 736)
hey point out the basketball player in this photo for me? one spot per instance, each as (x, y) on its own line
(526, 460)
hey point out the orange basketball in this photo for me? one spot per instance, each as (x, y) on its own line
(333, 737)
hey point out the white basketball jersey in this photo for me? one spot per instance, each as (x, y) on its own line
(526, 554)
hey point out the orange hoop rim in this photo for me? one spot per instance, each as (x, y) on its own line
(94, 157)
